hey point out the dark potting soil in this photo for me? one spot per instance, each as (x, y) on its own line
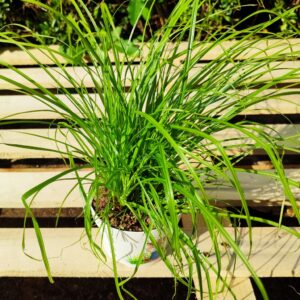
(119, 217)
(89, 289)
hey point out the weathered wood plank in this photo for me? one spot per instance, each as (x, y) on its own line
(274, 254)
(289, 132)
(18, 57)
(252, 49)
(259, 190)
(55, 78)
(15, 106)
(35, 138)
(38, 138)
(14, 183)
(29, 108)
(50, 78)
(241, 288)
(68, 252)
(286, 103)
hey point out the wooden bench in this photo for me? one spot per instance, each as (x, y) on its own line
(274, 252)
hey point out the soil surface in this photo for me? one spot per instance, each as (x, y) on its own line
(119, 217)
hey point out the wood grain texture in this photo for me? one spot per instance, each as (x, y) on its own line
(29, 108)
(13, 184)
(17, 57)
(268, 47)
(35, 138)
(252, 49)
(49, 78)
(259, 190)
(241, 288)
(54, 77)
(40, 138)
(274, 254)
(26, 107)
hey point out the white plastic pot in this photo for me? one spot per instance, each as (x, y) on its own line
(128, 245)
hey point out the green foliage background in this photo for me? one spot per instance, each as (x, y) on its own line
(219, 16)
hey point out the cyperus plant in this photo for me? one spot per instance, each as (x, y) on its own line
(147, 132)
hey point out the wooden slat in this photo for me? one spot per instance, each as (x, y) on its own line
(25, 137)
(255, 49)
(14, 106)
(27, 107)
(290, 133)
(274, 254)
(15, 56)
(259, 190)
(43, 78)
(82, 77)
(18, 57)
(289, 103)
(241, 287)
(14, 183)
(69, 255)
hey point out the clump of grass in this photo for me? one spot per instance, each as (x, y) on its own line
(147, 131)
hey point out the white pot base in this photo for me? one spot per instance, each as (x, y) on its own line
(128, 245)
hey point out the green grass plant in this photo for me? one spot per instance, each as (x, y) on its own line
(148, 136)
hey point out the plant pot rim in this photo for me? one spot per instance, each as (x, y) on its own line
(98, 222)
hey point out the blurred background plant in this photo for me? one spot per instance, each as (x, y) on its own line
(5, 6)
(219, 15)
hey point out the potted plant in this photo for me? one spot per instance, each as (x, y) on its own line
(146, 132)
